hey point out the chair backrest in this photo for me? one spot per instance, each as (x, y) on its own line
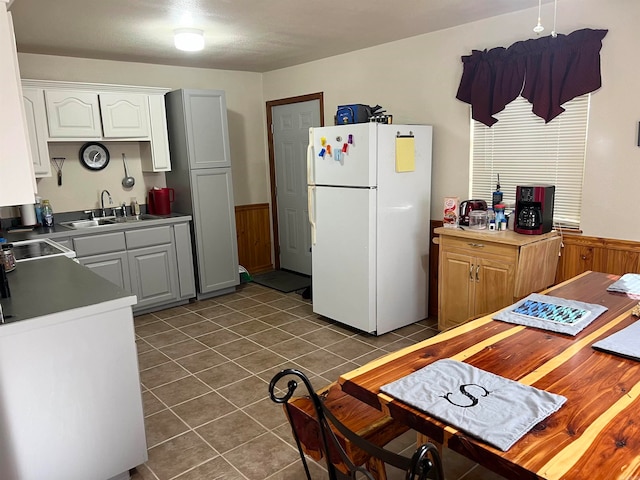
(424, 463)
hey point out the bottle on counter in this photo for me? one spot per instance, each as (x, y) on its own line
(47, 214)
(496, 197)
(38, 209)
(8, 259)
(135, 207)
(491, 219)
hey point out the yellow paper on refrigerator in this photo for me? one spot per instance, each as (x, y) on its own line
(405, 154)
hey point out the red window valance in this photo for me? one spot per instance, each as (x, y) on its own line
(547, 71)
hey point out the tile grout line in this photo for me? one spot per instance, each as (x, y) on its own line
(331, 326)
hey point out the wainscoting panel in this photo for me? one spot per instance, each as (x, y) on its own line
(253, 226)
(607, 255)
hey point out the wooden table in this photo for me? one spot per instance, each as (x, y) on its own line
(595, 435)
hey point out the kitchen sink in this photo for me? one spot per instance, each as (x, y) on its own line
(105, 221)
(136, 218)
(96, 222)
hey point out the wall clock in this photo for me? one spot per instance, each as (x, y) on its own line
(94, 156)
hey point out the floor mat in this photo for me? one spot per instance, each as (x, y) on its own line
(283, 280)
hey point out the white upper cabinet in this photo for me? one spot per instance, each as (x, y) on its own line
(73, 114)
(71, 111)
(124, 115)
(17, 182)
(93, 115)
(155, 154)
(37, 126)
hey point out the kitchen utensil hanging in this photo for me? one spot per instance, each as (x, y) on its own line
(127, 181)
(57, 164)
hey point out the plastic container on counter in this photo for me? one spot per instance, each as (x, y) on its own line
(478, 220)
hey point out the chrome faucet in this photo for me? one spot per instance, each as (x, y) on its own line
(104, 212)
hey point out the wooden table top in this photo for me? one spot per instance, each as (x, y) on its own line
(596, 433)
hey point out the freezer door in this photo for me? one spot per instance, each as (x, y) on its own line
(343, 257)
(355, 167)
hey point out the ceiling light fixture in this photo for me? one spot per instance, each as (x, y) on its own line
(188, 39)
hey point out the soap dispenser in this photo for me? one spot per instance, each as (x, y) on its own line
(135, 208)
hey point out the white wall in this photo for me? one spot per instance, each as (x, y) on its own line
(416, 80)
(81, 188)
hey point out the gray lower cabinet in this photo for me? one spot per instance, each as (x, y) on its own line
(65, 242)
(105, 255)
(184, 255)
(112, 266)
(155, 263)
(154, 276)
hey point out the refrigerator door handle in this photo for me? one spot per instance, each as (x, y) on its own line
(311, 190)
(310, 180)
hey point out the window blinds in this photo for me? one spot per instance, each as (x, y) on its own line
(524, 150)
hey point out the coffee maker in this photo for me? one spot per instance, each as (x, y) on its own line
(534, 209)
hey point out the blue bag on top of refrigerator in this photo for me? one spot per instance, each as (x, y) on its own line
(356, 113)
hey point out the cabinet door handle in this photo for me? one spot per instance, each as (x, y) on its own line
(471, 272)
(475, 245)
(477, 273)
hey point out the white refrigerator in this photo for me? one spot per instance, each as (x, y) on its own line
(369, 191)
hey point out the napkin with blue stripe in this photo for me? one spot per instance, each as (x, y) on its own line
(551, 313)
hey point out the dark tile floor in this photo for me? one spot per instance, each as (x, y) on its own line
(205, 370)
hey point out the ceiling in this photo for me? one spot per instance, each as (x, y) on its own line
(247, 35)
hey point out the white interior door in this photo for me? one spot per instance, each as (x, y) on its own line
(344, 267)
(291, 124)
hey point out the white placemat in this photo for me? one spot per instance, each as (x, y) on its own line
(494, 409)
(628, 283)
(551, 313)
(626, 342)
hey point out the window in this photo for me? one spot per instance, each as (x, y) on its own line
(524, 150)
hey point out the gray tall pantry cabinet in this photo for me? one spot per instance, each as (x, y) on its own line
(201, 178)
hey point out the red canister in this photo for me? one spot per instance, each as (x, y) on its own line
(159, 201)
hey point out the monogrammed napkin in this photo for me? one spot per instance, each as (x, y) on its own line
(494, 409)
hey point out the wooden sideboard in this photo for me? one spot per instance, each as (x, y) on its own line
(579, 253)
(482, 271)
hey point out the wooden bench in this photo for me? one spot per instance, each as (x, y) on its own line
(364, 420)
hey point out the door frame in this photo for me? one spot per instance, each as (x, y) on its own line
(272, 160)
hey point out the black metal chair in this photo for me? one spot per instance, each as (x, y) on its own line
(329, 436)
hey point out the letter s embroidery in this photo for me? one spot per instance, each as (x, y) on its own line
(463, 390)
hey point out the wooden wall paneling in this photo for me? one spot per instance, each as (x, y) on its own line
(574, 260)
(434, 255)
(607, 255)
(622, 256)
(253, 225)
